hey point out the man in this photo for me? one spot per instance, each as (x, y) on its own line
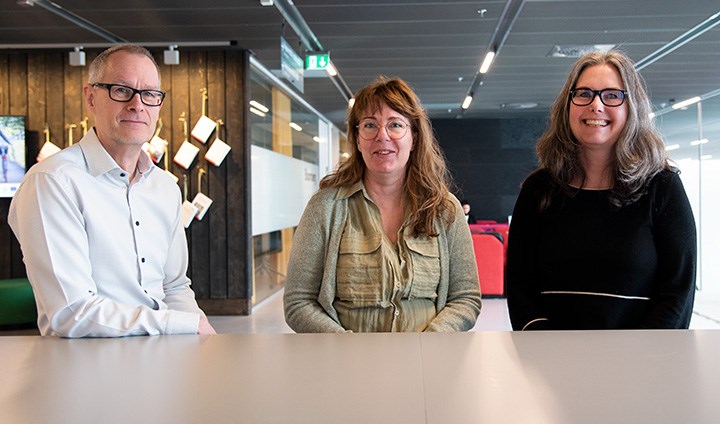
(99, 225)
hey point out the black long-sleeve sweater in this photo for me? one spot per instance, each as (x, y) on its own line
(585, 264)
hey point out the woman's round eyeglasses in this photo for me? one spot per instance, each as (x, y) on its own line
(369, 129)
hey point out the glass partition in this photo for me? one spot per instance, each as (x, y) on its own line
(292, 147)
(692, 138)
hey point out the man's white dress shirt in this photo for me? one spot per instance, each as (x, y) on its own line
(106, 258)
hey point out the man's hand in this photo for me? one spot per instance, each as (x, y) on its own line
(204, 327)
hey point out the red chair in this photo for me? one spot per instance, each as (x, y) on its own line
(500, 228)
(490, 258)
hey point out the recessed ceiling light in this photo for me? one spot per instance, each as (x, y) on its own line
(523, 105)
(578, 50)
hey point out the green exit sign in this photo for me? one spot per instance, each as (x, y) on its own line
(317, 60)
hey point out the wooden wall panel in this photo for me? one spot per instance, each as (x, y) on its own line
(179, 102)
(55, 98)
(237, 81)
(42, 86)
(73, 101)
(216, 180)
(4, 84)
(17, 67)
(37, 89)
(199, 231)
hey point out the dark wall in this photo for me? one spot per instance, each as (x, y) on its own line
(43, 86)
(489, 159)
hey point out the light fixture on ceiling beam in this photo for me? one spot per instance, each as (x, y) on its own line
(489, 56)
(680, 41)
(686, 103)
(502, 29)
(77, 57)
(171, 56)
(76, 19)
(331, 70)
(292, 16)
(663, 111)
(467, 101)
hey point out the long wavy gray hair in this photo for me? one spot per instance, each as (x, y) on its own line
(639, 151)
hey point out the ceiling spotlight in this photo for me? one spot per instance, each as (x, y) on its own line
(171, 56)
(487, 62)
(77, 57)
(331, 70)
(686, 103)
(466, 102)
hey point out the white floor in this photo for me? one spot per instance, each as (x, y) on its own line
(267, 317)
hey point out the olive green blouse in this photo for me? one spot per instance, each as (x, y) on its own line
(383, 286)
(344, 274)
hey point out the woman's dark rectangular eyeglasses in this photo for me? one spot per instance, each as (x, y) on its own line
(609, 97)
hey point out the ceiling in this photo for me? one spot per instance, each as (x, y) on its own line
(435, 45)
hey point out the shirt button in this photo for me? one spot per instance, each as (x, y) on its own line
(397, 313)
(122, 174)
(142, 260)
(397, 285)
(137, 223)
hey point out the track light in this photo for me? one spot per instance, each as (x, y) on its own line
(686, 103)
(466, 102)
(171, 56)
(487, 62)
(77, 57)
(331, 70)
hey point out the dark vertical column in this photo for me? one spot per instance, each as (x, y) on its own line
(199, 230)
(216, 180)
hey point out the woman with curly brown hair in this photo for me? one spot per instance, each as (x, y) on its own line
(383, 246)
(602, 236)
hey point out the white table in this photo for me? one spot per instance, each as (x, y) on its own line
(491, 377)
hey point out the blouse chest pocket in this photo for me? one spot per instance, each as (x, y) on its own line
(425, 258)
(359, 269)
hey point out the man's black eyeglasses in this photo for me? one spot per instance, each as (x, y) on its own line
(123, 93)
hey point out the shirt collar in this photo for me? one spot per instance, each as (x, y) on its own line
(99, 160)
(345, 192)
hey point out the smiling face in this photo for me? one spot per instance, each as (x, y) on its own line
(119, 124)
(385, 156)
(596, 126)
